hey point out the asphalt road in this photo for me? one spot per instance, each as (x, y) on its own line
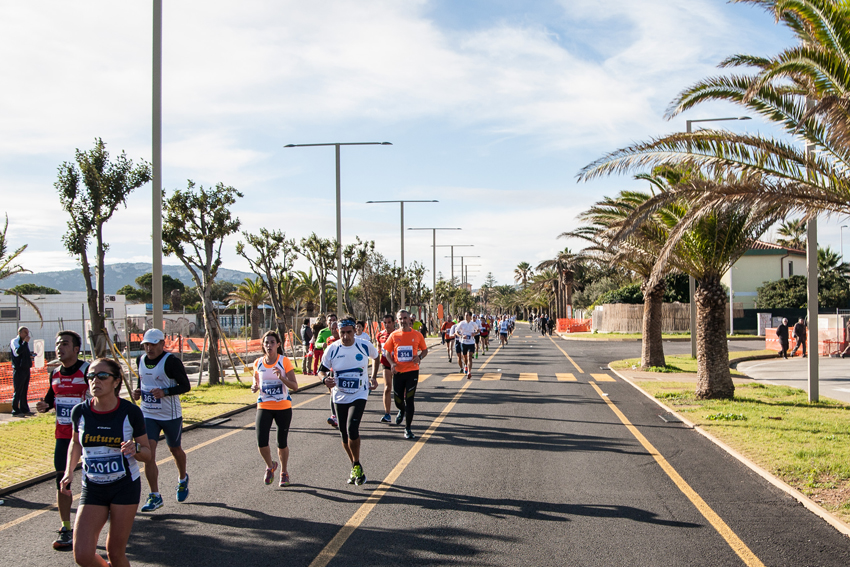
(834, 374)
(520, 469)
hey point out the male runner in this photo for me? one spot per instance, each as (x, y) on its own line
(477, 321)
(485, 333)
(466, 331)
(449, 338)
(349, 360)
(405, 349)
(503, 330)
(322, 339)
(68, 387)
(458, 345)
(389, 327)
(162, 378)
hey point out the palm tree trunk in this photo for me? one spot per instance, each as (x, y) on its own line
(714, 380)
(652, 349)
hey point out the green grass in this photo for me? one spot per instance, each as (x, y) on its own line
(684, 362)
(806, 445)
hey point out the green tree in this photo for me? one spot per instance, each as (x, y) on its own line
(195, 223)
(8, 268)
(144, 293)
(829, 261)
(793, 233)
(321, 253)
(90, 191)
(253, 293)
(522, 273)
(31, 289)
(792, 293)
(354, 257)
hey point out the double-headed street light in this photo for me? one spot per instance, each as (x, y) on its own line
(453, 246)
(434, 268)
(692, 282)
(462, 277)
(402, 202)
(337, 145)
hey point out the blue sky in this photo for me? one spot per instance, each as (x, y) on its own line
(492, 108)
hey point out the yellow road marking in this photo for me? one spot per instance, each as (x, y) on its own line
(37, 513)
(454, 378)
(580, 371)
(528, 376)
(566, 377)
(424, 377)
(737, 545)
(332, 548)
(491, 376)
(603, 378)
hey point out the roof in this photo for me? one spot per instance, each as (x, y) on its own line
(759, 248)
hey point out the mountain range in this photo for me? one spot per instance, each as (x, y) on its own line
(116, 277)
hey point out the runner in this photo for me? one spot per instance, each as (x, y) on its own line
(405, 350)
(68, 387)
(162, 378)
(359, 334)
(307, 343)
(317, 347)
(389, 327)
(477, 321)
(109, 434)
(485, 333)
(274, 378)
(503, 331)
(465, 331)
(458, 345)
(322, 344)
(349, 361)
(448, 337)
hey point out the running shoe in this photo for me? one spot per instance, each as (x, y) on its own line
(284, 479)
(333, 422)
(183, 489)
(65, 539)
(469, 375)
(399, 417)
(358, 474)
(476, 355)
(269, 476)
(386, 418)
(465, 370)
(408, 434)
(450, 359)
(154, 502)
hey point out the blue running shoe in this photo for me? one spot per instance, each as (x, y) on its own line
(183, 489)
(154, 502)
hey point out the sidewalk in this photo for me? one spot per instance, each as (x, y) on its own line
(834, 373)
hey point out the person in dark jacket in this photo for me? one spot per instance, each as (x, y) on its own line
(306, 338)
(799, 333)
(782, 335)
(21, 363)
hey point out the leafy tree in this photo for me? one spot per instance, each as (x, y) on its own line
(375, 285)
(829, 261)
(793, 233)
(90, 191)
(32, 289)
(321, 253)
(144, 293)
(791, 293)
(564, 265)
(522, 273)
(253, 293)
(354, 257)
(7, 268)
(194, 225)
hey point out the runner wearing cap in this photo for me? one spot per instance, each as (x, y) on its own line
(162, 378)
(389, 327)
(466, 331)
(350, 385)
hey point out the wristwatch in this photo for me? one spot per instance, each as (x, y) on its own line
(138, 447)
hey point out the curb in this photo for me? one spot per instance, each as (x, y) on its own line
(52, 475)
(810, 504)
(603, 338)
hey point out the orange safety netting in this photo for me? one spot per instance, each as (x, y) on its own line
(39, 380)
(575, 325)
(235, 345)
(830, 341)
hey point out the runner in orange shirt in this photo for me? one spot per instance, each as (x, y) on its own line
(389, 327)
(448, 337)
(405, 350)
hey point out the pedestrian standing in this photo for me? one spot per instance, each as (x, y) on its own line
(307, 342)
(799, 334)
(21, 363)
(782, 335)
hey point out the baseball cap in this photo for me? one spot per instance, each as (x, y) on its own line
(153, 336)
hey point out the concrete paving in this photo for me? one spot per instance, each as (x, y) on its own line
(834, 374)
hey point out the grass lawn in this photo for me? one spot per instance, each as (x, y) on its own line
(806, 445)
(684, 362)
(26, 446)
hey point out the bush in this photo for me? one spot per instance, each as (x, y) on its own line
(790, 293)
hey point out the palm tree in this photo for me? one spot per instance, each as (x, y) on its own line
(544, 284)
(830, 262)
(564, 264)
(253, 293)
(522, 272)
(310, 290)
(7, 268)
(793, 234)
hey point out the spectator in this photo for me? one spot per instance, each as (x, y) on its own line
(799, 333)
(782, 335)
(306, 341)
(21, 363)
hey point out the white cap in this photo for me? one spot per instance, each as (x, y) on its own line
(153, 336)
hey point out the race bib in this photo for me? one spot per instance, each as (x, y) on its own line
(63, 409)
(404, 353)
(273, 389)
(149, 401)
(348, 382)
(104, 464)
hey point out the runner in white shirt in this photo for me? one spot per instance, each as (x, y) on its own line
(350, 385)
(465, 333)
(458, 349)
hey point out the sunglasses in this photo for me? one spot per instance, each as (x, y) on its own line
(99, 375)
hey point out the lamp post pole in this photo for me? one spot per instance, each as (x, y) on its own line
(337, 146)
(402, 234)
(841, 238)
(452, 247)
(691, 281)
(434, 267)
(462, 273)
(156, 159)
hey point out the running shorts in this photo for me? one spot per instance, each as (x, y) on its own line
(171, 428)
(124, 492)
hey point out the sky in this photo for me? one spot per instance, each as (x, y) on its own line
(492, 108)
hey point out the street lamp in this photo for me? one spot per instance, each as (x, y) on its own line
(156, 165)
(338, 207)
(462, 277)
(691, 280)
(453, 246)
(434, 269)
(841, 237)
(402, 233)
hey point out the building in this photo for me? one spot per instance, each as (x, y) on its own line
(763, 262)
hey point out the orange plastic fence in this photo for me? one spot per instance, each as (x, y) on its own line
(39, 379)
(235, 345)
(576, 326)
(828, 343)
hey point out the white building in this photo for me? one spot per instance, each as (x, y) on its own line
(66, 311)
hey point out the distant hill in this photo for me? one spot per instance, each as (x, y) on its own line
(116, 277)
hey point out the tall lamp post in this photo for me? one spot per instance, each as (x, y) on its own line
(156, 159)
(841, 238)
(402, 233)
(462, 276)
(434, 259)
(452, 247)
(691, 280)
(337, 145)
